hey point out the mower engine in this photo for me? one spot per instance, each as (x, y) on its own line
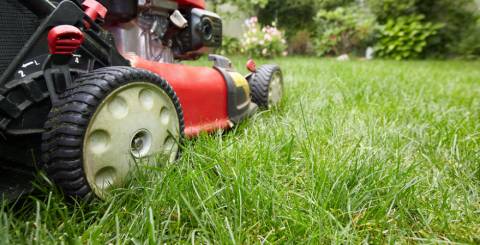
(163, 30)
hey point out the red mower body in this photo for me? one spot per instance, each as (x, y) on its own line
(192, 3)
(202, 92)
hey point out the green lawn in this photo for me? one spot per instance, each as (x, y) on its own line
(375, 152)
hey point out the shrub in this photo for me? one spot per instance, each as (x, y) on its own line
(456, 16)
(301, 43)
(342, 31)
(469, 46)
(291, 16)
(230, 45)
(265, 42)
(405, 37)
(385, 10)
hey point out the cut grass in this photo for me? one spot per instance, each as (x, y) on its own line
(376, 152)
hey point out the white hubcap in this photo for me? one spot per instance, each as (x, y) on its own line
(136, 121)
(275, 90)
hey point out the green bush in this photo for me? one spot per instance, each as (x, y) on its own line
(343, 30)
(405, 37)
(457, 18)
(385, 10)
(469, 46)
(289, 15)
(230, 46)
(301, 43)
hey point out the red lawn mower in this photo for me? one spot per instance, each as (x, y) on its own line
(90, 88)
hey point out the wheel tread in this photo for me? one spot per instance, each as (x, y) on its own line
(260, 83)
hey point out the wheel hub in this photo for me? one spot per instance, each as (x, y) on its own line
(134, 124)
(275, 90)
(141, 143)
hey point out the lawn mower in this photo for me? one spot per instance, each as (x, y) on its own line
(89, 89)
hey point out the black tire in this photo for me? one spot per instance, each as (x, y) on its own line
(260, 84)
(62, 147)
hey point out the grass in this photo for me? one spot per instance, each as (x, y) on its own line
(358, 152)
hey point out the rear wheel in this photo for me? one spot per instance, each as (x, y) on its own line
(106, 123)
(266, 85)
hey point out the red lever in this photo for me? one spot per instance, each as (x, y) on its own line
(94, 9)
(251, 66)
(64, 39)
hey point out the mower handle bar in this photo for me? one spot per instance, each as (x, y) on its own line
(41, 8)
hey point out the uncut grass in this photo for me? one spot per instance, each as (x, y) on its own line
(376, 152)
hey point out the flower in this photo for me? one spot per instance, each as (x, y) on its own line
(264, 41)
(268, 37)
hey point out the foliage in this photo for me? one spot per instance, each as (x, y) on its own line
(245, 5)
(469, 46)
(266, 42)
(342, 30)
(301, 43)
(456, 17)
(385, 10)
(291, 16)
(405, 37)
(230, 46)
(333, 4)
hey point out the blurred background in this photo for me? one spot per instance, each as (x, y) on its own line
(387, 29)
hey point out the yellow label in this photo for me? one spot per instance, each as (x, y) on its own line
(240, 81)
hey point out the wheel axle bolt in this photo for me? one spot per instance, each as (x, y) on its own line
(137, 144)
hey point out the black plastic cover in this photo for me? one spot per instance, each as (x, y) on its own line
(120, 11)
(204, 31)
(17, 24)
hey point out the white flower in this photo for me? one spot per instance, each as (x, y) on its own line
(261, 42)
(285, 53)
(268, 37)
(264, 51)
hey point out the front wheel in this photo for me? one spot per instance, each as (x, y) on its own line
(266, 85)
(106, 123)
